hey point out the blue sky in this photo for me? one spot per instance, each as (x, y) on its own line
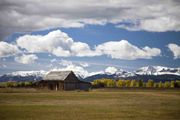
(77, 37)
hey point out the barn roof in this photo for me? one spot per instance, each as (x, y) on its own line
(57, 75)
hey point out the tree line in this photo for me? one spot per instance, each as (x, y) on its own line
(16, 84)
(135, 83)
(110, 83)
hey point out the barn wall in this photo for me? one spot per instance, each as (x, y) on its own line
(64, 85)
(71, 82)
(52, 85)
(71, 78)
(84, 86)
(69, 86)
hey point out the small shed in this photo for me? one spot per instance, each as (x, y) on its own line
(63, 80)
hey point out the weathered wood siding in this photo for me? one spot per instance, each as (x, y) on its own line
(84, 86)
(71, 82)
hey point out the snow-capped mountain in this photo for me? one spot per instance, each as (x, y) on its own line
(23, 76)
(157, 70)
(123, 74)
(158, 73)
(28, 73)
(119, 73)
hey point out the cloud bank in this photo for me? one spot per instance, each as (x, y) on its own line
(60, 44)
(29, 15)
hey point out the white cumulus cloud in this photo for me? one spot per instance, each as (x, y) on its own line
(55, 42)
(7, 49)
(60, 44)
(175, 49)
(26, 59)
(125, 50)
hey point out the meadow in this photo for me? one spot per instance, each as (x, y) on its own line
(97, 104)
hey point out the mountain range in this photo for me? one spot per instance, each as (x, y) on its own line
(156, 73)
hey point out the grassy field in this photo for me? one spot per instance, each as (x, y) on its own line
(30, 104)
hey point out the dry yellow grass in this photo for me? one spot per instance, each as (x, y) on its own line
(96, 105)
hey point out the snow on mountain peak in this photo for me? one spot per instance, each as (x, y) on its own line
(115, 72)
(157, 70)
(28, 73)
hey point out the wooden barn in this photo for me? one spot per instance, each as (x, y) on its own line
(63, 80)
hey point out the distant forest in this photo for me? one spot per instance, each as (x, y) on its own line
(107, 83)
(99, 83)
